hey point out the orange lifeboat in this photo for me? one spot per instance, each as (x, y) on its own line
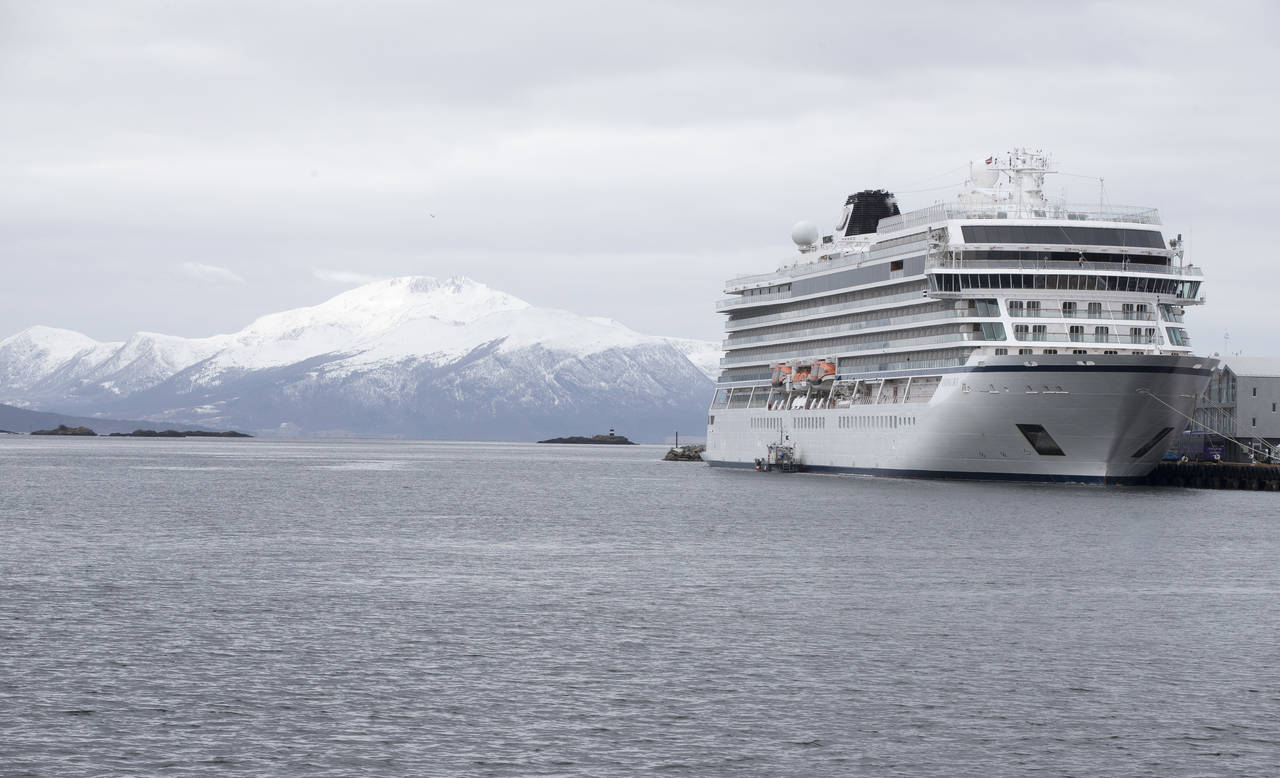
(800, 379)
(781, 374)
(823, 372)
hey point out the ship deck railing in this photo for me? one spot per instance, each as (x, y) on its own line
(1006, 265)
(941, 212)
(943, 316)
(853, 306)
(1010, 265)
(1081, 313)
(887, 344)
(822, 262)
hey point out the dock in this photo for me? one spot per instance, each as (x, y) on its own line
(1216, 475)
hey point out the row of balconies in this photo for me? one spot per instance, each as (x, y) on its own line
(886, 321)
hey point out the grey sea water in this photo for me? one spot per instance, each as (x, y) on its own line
(221, 607)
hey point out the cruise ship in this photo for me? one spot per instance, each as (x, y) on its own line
(1003, 335)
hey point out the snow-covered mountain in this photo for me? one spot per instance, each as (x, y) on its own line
(412, 357)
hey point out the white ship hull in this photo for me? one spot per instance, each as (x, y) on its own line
(1108, 417)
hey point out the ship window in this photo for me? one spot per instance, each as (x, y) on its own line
(1255, 421)
(1151, 443)
(711, 420)
(987, 307)
(1025, 351)
(1083, 236)
(1041, 440)
(1068, 310)
(1000, 352)
(1095, 310)
(1079, 351)
(1051, 351)
(1255, 391)
(722, 399)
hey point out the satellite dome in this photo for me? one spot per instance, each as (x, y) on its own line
(985, 177)
(804, 234)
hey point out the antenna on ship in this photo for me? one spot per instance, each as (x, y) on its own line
(1176, 245)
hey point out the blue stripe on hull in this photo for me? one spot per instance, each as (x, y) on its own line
(1058, 478)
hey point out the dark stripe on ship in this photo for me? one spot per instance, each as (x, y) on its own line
(925, 371)
(958, 475)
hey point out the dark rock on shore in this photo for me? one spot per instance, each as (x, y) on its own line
(63, 429)
(607, 439)
(685, 454)
(24, 421)
(177, 434)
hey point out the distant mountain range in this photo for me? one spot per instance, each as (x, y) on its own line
(407, 357)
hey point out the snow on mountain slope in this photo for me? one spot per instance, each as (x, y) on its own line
(37, 352)
(414, 355)
(149, 358)
(413, 318)
(358, 319)
(704, 354)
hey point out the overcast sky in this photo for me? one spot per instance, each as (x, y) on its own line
(184, 167)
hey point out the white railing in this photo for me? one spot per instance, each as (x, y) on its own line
(793, 270)
(818, 310)
(1010, 265)
(886, 321)
(851, 348)
(1081, 313)
(1082, 337)
(1087, 213)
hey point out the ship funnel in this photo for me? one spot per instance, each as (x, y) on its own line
(864, 210)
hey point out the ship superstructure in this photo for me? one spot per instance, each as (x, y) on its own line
(1001, 335)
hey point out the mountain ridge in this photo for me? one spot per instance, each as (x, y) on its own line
(411, 356)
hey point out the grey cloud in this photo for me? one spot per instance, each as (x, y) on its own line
(574, 153)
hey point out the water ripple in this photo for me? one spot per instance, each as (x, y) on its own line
(374, 608)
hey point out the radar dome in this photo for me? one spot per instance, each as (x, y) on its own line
(984, 177)
(804, 234)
